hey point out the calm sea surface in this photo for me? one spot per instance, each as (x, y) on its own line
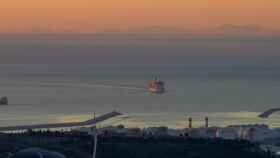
(61, 93)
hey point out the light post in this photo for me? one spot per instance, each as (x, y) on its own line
(190, 122)
(94, 132)
(206, 122)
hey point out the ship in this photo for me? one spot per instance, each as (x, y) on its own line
(156, 86)
(4, 101)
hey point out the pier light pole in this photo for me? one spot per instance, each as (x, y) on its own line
(190, 122)
(94, 132)
(206, 122)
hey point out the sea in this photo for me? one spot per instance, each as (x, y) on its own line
(226, 94)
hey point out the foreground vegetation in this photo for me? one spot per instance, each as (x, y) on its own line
(77, 145)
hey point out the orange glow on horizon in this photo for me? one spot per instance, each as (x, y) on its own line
(98, 15)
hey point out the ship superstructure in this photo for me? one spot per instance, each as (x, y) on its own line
(156, 86)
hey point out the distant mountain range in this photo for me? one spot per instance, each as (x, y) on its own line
(243, 30)
(225, 30)
(159, 34)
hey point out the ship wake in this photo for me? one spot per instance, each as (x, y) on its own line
(85, 85)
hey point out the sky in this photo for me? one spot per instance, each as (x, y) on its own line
(243, 20)
(101, 15)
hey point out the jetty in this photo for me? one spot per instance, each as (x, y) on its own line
(269, 112)
(90, 122)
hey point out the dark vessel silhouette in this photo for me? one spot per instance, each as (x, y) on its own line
(4, 101)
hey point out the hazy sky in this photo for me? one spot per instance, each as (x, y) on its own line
(121, 49)
(98, 15)
(240, 18)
